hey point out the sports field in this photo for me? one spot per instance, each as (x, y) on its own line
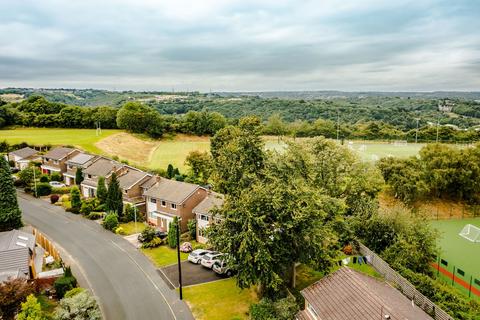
(457, 252)
(373, 151)
(82, 138)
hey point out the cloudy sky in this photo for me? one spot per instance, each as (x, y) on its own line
(241, 45)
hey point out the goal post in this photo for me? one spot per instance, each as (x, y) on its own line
(471, 233)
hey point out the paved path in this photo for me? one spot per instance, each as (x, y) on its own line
(125, 282)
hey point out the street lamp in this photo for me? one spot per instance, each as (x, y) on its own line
(178, 258)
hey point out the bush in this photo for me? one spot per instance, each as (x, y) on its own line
(75, 198)
(283, 309)
(120, 231)
(44, 178)
(64, 284)
(55, 176)
(130, 214)
(348, 250)
(100, 207)
(65, 198)
(148, 234)
(86, 208)
(79, 306)
(192, 229)
(95, 215)
(156, 242)
(62, 190)
(18, 183)
(110, 222)
(54, 198)
(73, 292)
(172, 233)
(43, 189)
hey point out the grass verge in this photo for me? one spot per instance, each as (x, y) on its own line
(132, 228)
(164, 255)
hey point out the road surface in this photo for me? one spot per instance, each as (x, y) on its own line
(125, 282)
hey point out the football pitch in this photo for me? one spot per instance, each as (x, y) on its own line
(458, 255)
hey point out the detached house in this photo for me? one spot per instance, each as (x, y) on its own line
(168, 199)
(56, 159)
(133, 182)
(349, 294)
(18, 255)
(22, 157)
(100, 167)
(81, 160)
(203, 213)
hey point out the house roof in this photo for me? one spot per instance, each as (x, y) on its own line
(15, 239)
(102, 167)
(147, 184)
(171, 190)
(15, 261)
(213, 200)
(58, 153)
(81, 159)
(24, 152)
(131, 177)
(348, 294)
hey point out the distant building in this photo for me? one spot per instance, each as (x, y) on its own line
(22, 157)
(445, 105)
(56, 159)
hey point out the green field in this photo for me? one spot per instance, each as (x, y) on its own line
(373, 151)
(175, 152)
(82, 138)
(457, 251)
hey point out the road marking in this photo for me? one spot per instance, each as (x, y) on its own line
(148, 277)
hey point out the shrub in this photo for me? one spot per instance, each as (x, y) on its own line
(65, 198)
(73, 292)
(120, 231)
(79, 306)
(62, 190)
(12, 293)
(54, 198)
(192, 229)
(110, 222)
(75, 198)
(18, 183)
(172, 233)
(55, 176)
(95, 215)
(86, 208)
(100, 207)
(31, 310)
(130, 212)
(348, 250)
(156, 242)
(43, 189)
(282, 309)
(148, 234)
(44, 178)
(64, 284)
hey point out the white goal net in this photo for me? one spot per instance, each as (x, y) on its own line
(471, 233)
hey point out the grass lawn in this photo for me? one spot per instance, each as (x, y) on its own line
(458, 251)
(219, 300)
(48, 305)
(373, 151)
(129, 227)
(82, 138)
(164, 255)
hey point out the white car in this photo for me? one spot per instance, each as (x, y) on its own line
(209, 259)
(57, 184)
(196, 255)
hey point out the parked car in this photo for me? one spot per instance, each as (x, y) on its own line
(221, 267)
(196, 255)
(57, 184)
(209, 259)
(159, 234)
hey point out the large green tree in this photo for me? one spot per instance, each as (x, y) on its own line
(237, 155)
(10, 214)
(139, 118)
(114, 200)
(78, 176)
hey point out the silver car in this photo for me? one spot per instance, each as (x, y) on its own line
(209, 259)
(196, 255)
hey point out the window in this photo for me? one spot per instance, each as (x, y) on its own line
(173, 206)
(126, 191)
(90, 176)
(55, 161)
(203, 217)
(164, 203)
(150, 214)
(201, 232)
(153, 200)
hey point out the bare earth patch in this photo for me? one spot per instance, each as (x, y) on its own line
(127, 146)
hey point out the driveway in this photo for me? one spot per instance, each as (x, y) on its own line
(191, 274)
(125, 282)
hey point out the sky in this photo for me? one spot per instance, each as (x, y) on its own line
(244, 45)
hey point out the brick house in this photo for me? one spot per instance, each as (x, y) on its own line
(167, 199)
(22, 157)
(81, 160)
(100, 167)
(18, 257)
(203, 213)
(56, 159)
(133, 183)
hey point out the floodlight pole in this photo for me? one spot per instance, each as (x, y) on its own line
(178, 258)
(416, 131)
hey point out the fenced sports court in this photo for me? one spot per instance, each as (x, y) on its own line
(459, 261)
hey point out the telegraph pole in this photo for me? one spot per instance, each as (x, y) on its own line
(416, 131)
(179, 262)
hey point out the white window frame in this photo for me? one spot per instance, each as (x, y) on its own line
(202, 217)
(163, 203)
(152, 200)
(173, 206)
(55, 162)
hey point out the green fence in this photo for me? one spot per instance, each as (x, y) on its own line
(457, 277)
